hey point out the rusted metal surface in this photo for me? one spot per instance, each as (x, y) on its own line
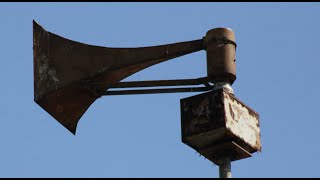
(221, 55)
(214, 118)
(65, 71)
(202, 119)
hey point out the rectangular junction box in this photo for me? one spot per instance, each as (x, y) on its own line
(217, 124)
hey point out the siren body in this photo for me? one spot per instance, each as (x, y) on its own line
(221, 55)
(69, 76)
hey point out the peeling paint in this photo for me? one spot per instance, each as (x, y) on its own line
(243, 123)
(218, 122)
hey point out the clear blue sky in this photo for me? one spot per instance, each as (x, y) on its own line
(139, 135)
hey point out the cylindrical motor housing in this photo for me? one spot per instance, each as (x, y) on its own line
(221, 55)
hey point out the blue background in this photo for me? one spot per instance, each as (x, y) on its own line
(140, 135)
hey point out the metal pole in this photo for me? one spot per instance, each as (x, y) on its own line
(225, 168)
(225, 162)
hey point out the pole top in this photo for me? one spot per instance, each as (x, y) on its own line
(220, 33)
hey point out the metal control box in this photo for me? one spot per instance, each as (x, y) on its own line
(217, 124)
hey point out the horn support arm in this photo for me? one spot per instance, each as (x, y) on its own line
(156, 91)
(179, 82)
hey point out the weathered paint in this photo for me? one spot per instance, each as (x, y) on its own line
(221, 55)
(201, 113)
(216, 124)
(242, 121)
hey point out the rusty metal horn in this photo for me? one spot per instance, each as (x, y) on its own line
(65, 71)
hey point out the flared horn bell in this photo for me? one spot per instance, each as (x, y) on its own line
(68, 74)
